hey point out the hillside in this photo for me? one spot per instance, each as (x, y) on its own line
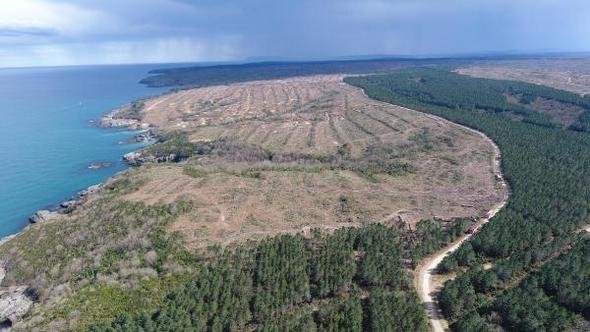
(316, 142)
(251, 161)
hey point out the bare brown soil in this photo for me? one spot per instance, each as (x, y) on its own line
(559, 113)
(452, 177)
(565, 74)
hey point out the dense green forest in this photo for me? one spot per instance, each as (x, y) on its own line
(354, 279)
(230, 73)
(534, 280)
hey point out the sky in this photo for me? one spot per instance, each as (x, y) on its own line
(77, 32)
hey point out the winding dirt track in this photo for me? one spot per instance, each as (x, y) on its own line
(424, 278)
(425, 272)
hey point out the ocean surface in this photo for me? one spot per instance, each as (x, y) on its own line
(48, 139)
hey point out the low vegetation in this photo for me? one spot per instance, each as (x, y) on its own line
(100, 261)
(251, 153)
(138, 277)
(131, 111)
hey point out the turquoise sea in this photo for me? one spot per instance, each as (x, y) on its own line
(47, 139)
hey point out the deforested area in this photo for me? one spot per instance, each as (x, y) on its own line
(564, 74)
(268, 186)
(506, 275)
(274, 156)
(270, 166)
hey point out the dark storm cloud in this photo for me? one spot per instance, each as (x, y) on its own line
(183, 30)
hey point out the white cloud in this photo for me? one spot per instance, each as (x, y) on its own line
(45, 32)
(37, 21)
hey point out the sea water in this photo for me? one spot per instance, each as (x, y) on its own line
(48, 137)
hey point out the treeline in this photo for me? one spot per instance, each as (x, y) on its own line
(198, 76)
(449, 90)
(354, 279)
(548, 170)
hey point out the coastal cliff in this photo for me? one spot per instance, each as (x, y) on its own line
(127, 116)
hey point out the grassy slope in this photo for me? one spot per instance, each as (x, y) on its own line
(109, 253)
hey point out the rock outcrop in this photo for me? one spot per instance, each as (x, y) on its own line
(112, 120)
(138, 158)
(89, 190)
(43, 215)
(14, 303)
(65, 207)
(133, 158)
(147, 136)
(68, 206)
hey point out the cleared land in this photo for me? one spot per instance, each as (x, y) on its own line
(565, 74)
(448, 170)
(263, 158)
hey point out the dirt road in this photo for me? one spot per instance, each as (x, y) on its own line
(424, 278)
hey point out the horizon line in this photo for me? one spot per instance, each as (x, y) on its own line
(343, 58)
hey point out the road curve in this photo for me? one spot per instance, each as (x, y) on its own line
(424, 278)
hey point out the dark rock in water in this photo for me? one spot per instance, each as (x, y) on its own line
(144, 137)
(100, 165)
(68, 206)
(133, 158)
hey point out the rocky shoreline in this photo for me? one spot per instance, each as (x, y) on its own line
(65, 207)
(112, 119)
(16, 301)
